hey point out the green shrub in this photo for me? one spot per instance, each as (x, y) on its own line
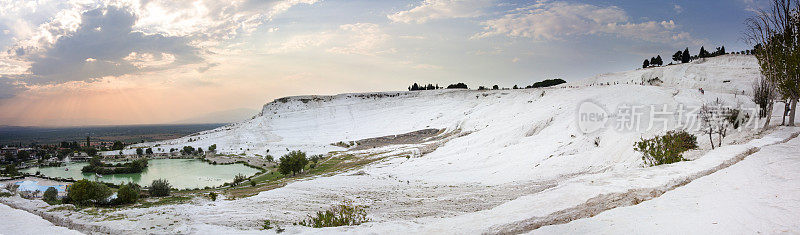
(11, 170)
(212, 196)
(85, 192)
(159, 188)
(252, 183)
(666, 149)
(239, 178)
(316, 158)
(266, 225)
(128, 193)
(293, 162)
(50, 195)
(345, 214)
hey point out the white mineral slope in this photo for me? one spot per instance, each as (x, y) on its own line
(759, 195)
(514, 135)
(15, 221)
(520, 161)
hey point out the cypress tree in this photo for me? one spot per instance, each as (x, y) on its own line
(686, 57)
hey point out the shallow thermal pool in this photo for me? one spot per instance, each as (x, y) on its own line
(181, 173)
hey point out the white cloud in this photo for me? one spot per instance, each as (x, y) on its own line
(559, 20)
(208, 20)
(441, 9)
(362, 39)
(354, 39)
(150, 60)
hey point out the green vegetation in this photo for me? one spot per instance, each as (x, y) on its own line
(344, 144)
(85, 192)
(239, 178)
(187, 150)
(10, 170)
(50, 196)
(293, 162)
(547, 83)
(128, 193)
(666, 149)
(212, 196)
(118, 145)
(97, 166)
(266, 225)
(345, 214)
(159, 188)
(274, 179)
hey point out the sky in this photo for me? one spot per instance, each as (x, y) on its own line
(113, 62)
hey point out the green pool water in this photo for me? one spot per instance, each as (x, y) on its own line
(181, 173)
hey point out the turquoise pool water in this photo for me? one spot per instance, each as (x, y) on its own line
(181, 173)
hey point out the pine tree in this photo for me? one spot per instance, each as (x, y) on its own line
(686, 57)
(646, 63)
(677, 56)
(703, 53)
(659, 61)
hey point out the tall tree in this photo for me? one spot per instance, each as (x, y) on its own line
(646, 63)
(774, 32)
(659, 61)
(703, 53)
(686, 57)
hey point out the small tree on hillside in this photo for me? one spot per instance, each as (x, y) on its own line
(139, 152)
(293, 162)
(149, 151)
(128, 193)
(677, 56)
(714, 120)
(686, 57)
(159, 188)
(659, 61)
(646, 63)
(763, 95)
(703, 53)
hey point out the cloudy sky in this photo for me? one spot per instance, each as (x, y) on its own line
(84, 62)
